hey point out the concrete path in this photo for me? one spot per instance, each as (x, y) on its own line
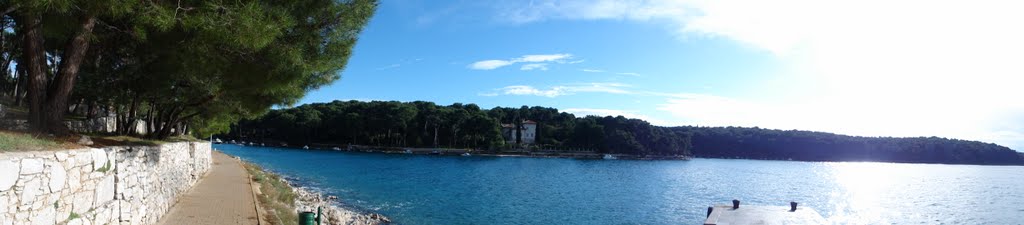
(223, 197)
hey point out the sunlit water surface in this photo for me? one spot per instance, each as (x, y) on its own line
(417, 189)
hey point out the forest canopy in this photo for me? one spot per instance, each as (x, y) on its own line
(187, 66)
(425, 124)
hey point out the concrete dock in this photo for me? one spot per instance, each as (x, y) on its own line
(755, 214)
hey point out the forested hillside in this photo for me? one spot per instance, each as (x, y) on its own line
(757, 143)
(425, 124)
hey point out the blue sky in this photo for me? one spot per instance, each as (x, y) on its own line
(911, 68)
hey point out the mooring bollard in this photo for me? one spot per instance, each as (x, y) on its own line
(709, 211)
(792, 206)
(735, 204)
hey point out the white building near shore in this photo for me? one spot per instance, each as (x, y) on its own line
(529, 132)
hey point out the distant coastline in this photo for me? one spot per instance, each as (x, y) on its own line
(546, 132)
(473, 152)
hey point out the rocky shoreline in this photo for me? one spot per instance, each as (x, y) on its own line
(307, 200)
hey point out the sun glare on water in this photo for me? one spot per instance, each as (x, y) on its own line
(860, 192)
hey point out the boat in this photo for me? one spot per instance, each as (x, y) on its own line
(435, 152)
(465, 154)
(305, 147)
(407, 151)
(336, 148)
(609, 156)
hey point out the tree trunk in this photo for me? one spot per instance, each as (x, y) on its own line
(34, 63)
(70, 63)
(19, 85)
(435, 135)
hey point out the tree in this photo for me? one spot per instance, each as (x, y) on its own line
(179, 64)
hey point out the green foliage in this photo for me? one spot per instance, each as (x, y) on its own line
(197, 65)
(105, 168)
(757, 143)
(10, 141)
(275, 196)
(73, 216)
(424, 124)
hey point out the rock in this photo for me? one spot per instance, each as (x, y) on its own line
(84, 140)
(30, 191)
(99, 158)
(31, 166)
(74, 179)
(58, 176)
(104, 191)
(82, 202)
(4, 200)
(77, 221)
(61, 156)
(45, 216)
(9, 172)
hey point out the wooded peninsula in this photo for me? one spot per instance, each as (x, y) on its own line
(428, 125)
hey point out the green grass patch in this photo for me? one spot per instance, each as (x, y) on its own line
(105, 168)
(276, 197)
(11, 141)
(129, 140)
(73, 216)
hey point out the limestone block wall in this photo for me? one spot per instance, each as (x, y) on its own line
(93, 186)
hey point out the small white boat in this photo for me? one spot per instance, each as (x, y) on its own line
(336, 148)
(305, 147)
(465, 154)
(609, 156)
(407, 151)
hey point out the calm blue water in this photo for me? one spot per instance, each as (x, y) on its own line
(416, 189)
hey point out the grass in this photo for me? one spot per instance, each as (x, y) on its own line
(73, 216)
(105, 168)
(12, 141)
(129, 140)
(276, 197)
(126, 140)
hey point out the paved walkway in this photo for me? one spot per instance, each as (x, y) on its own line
(222, 197)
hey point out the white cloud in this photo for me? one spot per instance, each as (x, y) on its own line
(629, 74)
(581, 112)
(543, 58)
(893, 118)
(534, 66)
(555, 91)
(533, 59)
(490, 64)
(906, 68)
(592, 70)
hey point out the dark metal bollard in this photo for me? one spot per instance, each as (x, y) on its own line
(792, 206)
(709, 211)
(735, 204)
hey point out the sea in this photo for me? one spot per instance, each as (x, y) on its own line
(430, 189)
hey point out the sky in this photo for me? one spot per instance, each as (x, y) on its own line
(902, 68)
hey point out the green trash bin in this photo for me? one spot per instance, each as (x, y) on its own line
(307, 218)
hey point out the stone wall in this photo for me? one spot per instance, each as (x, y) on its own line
(114, 185)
